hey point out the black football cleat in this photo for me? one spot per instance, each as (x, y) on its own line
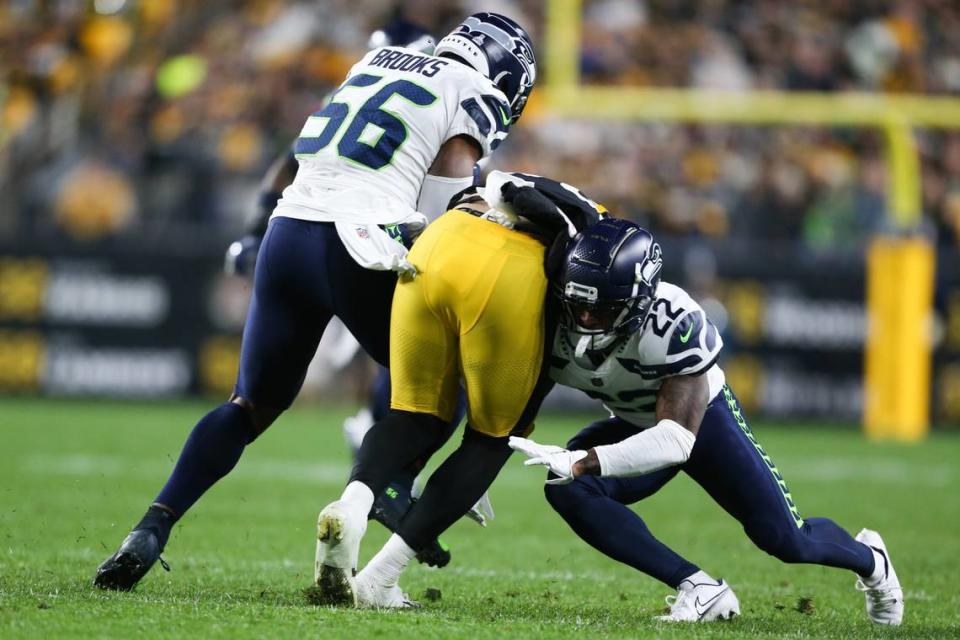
(122, 571)
(437, 554)
(390, 508)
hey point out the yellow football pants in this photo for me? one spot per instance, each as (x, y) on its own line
(475, 308)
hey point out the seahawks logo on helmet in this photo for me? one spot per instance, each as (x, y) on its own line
(500, 49)
(648, 271)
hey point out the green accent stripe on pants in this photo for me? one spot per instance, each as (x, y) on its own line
(738, 414)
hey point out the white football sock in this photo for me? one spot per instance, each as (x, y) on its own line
(879, 569)
(694, 579)
(384, 569)
(358, 497)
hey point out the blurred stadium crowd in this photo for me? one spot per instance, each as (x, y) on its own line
(122, 117)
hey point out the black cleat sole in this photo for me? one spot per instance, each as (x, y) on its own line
(135, 557)
(119, 573)
(436, 555)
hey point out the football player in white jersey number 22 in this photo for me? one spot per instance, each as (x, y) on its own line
(383, 156)
(647, 350)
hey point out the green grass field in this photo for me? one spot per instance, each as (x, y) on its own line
(76, 475)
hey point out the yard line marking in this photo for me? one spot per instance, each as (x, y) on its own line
(821, 470)
(516, 574)
(212, 564)
(830, 469)
(115, 466)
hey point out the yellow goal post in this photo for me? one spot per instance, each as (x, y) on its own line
(900, 264)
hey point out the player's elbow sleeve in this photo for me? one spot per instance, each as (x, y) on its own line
(664, 445)
(436, 192)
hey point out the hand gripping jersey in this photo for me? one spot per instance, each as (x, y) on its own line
(364, 155)
(569, 210)
(676, 339)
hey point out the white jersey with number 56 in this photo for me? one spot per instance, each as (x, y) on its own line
(676, 339)
(363, 157)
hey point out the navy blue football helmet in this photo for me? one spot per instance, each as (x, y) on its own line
(612, 270)
(500, 49)
(401, 33)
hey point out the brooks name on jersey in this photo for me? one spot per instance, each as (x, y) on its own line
(363, 156)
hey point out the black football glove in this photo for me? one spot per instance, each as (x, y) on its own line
(241, 258)
(530, 203)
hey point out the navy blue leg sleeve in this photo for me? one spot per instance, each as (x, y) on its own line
(595, 508)
(210, 452)
(379, 402)
(729, 463)
(303, 276)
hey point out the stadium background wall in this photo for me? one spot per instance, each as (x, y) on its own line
(899, 288)
(145, 322)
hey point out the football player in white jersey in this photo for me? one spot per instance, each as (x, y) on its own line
(241, 256)
(649, 352)
(385, 154)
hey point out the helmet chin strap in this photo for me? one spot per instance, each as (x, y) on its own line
(593, 342)
(582, 344)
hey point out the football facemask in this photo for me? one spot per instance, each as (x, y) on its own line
(609, 281)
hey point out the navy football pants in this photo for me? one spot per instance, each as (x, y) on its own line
(305, 277)
(733, 468)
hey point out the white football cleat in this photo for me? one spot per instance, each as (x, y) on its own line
(339, 532)
(371, 595)
(703, 602)
(882, 590)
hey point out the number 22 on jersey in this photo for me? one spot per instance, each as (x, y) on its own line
(374, 134)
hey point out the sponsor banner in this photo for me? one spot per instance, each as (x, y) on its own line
(79, 292)
(116, 371)
(122, 325)
(79, 297)
(153, 324)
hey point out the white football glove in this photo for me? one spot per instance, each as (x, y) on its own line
(502, 218)
(482, 512)
(558, 460)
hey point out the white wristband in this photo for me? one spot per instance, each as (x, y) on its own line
(436, 192)
(661, 446)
